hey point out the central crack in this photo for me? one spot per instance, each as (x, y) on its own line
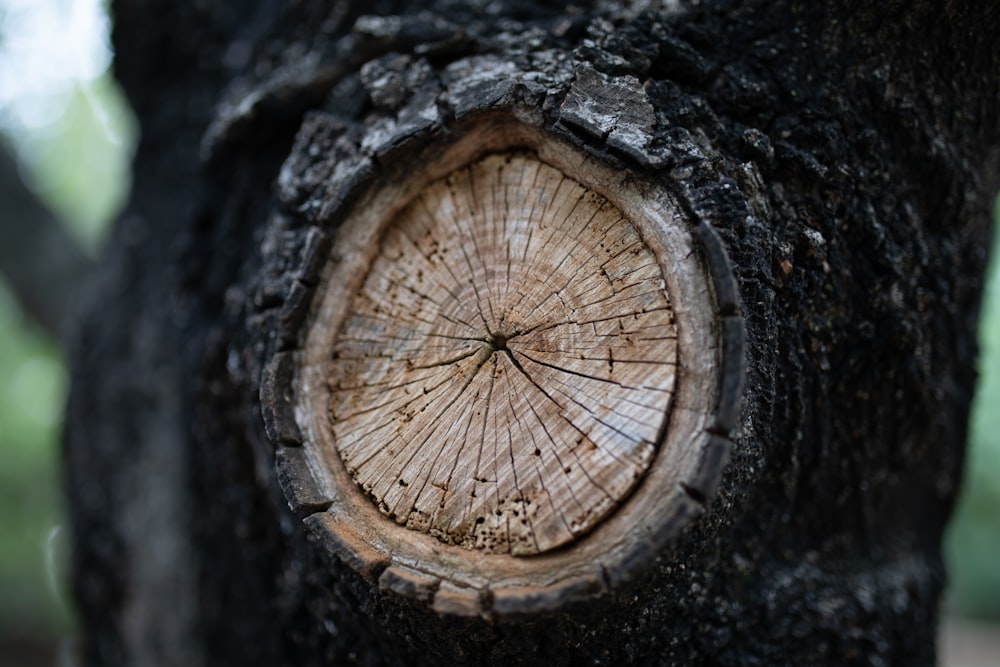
(495, 342)
(498, 342)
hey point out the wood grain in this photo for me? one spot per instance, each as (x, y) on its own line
(504, 375)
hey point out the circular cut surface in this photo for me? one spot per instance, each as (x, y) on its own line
(506, 369)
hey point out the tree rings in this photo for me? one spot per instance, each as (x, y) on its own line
(511, 375)
(505, 370)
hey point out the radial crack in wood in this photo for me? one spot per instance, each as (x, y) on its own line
(507, 366)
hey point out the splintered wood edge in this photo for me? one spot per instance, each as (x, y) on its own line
(694, 446)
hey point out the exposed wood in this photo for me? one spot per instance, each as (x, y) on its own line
(506, 370)
(490, 367)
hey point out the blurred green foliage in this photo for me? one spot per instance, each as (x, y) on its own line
(78, 163)
(32, 386)
(972, 545)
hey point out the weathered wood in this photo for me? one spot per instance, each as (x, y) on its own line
(489, 372)
(475, 395)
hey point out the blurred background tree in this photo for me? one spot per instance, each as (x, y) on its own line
(70, 134)
(65, 121)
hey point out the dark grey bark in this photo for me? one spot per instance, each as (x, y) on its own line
(846, 156)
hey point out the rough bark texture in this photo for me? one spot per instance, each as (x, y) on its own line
(847, 158)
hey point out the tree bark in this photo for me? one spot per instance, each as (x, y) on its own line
(829, 171)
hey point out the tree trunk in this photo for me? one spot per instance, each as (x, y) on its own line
(684, 293)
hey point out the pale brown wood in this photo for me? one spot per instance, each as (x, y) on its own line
(478, 276)
(505, 372)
